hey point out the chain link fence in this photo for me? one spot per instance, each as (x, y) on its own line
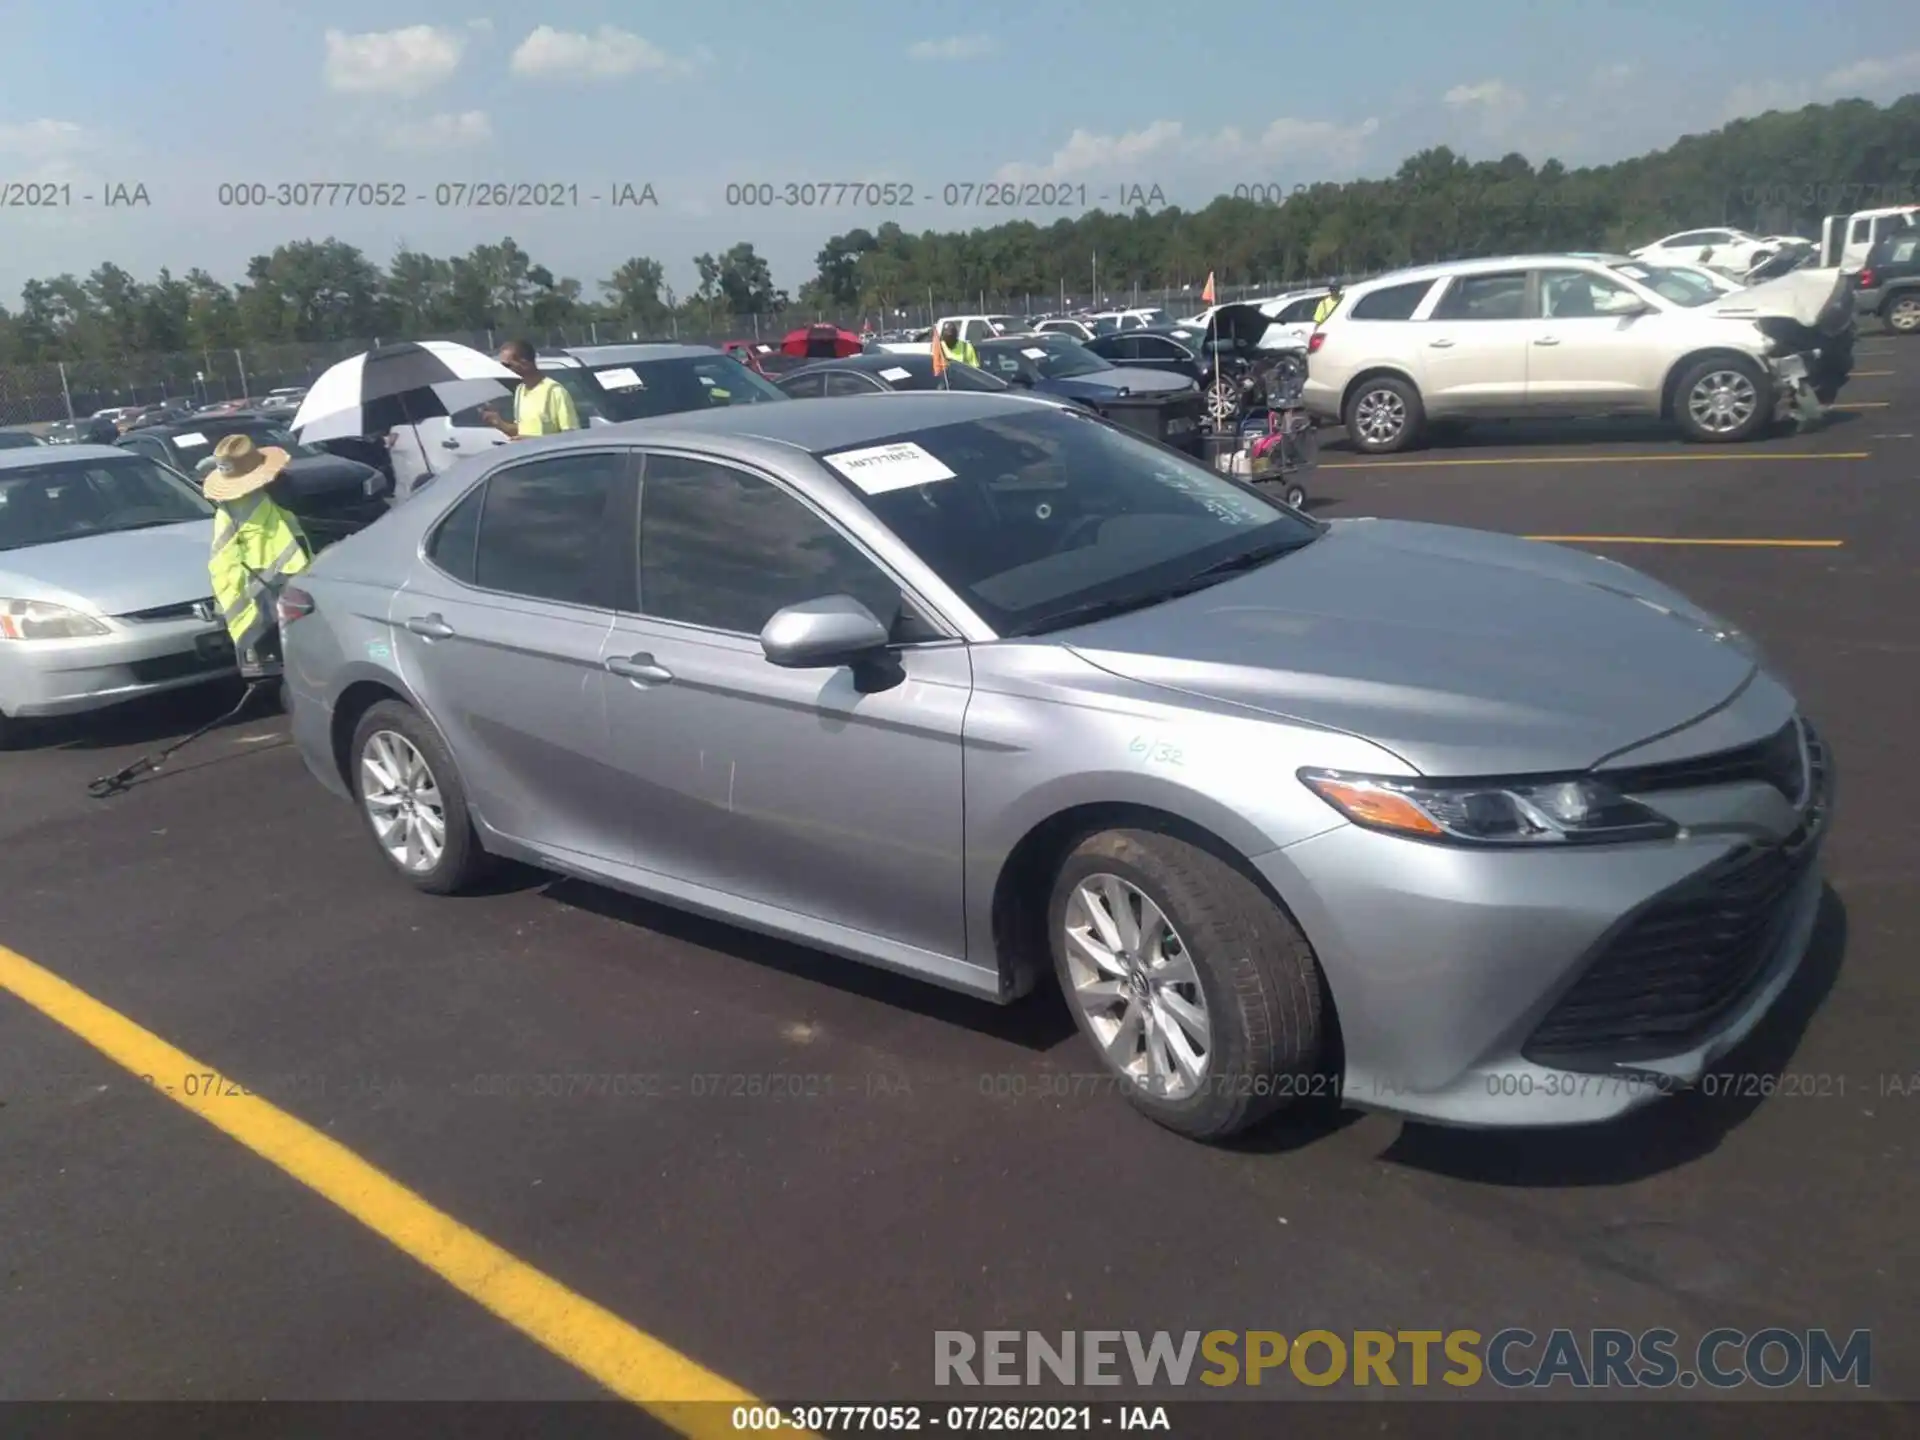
(38, 394)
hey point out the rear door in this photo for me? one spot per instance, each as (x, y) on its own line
(797, 789)
(1472, 351)
(500, 632)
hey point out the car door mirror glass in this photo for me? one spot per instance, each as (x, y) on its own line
(831, 631)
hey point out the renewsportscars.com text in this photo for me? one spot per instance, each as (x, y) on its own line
(1512, 1358)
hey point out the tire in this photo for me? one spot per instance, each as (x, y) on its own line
(1383, 416)
(1722, 401)
(1296, 497)
(396, 727)
(1902, 315)
(1256, 982)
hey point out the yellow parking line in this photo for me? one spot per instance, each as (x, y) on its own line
(1595, 459)
(1869, 374)
(1862, 405)
(630, 1363)
(1675, 540)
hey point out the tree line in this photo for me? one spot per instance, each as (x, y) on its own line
(1775, 173)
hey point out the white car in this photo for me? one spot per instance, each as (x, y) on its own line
(1556, 335)
(1734, 251)
(1289, 316)
(1065, 325)
(974, 329)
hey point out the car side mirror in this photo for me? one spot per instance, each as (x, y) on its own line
(820, 634)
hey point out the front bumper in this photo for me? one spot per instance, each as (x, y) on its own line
(1510, 988)
(40, 678)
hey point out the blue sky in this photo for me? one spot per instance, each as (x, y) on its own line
(689, 98)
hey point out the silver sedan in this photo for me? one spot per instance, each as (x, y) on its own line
(104, 591)
(983, 689)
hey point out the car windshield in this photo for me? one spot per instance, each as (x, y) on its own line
(197, 444)
(1682, 287)
(1009, 324)
(918, 375)
(1154, 316)
(1053, 518)
(1055, 357)
(69, 500)
(16, 440)
(640, 391)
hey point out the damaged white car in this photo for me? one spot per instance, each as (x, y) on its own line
(1563, 335)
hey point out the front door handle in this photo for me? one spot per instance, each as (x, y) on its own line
(431, 627)
(1440, 344)
(640, 667)
(1547, 340)
(449, 444)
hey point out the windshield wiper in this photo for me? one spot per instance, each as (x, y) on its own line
(1199, 580)
(1235, 564)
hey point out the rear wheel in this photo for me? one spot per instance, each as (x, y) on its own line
(1903, 314)
(1200, 996)
(413, 801)
(1296, 497)
(1723, 399)
(1384, 415)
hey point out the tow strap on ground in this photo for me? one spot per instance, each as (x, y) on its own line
(112, 784)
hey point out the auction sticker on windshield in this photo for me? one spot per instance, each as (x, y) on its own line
(881, 468)
(188, 441)
(620, 379)
(896, 373)
(1035, 353)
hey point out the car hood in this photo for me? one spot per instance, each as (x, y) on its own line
(1463, 652)
(116, 573)
(1135, 380)
(1806, 297)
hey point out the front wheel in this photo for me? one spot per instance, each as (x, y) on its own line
(1384, 416)
(1198, 993)
(1723, 400)
(1296, 497)
(414, 803)
(1903, 315)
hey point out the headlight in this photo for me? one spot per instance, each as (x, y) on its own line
(42, 620)
(1491, 812)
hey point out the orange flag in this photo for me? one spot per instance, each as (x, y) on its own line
(939, 356)
(1206, 295)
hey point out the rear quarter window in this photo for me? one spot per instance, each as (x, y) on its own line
(457, 536)
(1394, 302)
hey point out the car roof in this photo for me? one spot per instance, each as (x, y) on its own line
(57, 454)
(1485, 264)
(195, 423)
(594, 356)
(883, 360)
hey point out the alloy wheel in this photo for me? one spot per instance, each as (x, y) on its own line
(1905, 314)
(403, 801)
(1723, 401)
(1379, 416)
(1135, 984)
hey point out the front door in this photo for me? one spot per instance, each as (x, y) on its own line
(1472, 353)
(1588, 350)
(788, 788)
(501, 631)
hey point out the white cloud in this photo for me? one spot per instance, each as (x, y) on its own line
(1875, 78)
(446, 131)
(41, 138)
(606, 54)
(1490, 95)
(953, 47)
(1167, 143)
(409, 59)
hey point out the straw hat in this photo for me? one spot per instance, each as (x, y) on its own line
(240, 468)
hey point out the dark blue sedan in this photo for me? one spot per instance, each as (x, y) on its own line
(1157, 403)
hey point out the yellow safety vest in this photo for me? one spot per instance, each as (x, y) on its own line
(255, 543)
(1325, 308)
(964, 353)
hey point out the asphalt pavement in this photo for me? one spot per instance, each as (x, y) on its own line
(790, 1171)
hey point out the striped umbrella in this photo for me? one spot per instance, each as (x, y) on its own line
(395, 385)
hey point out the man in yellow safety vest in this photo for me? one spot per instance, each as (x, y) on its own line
(256, 546)
(1329, 304)
(957, 349)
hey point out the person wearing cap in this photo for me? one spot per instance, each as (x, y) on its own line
(1328, 304)
(541, 404)
(256, 545)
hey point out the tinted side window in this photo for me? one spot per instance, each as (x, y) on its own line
(805, 387)
(839, 382)
(724, 549)
(1396, 302)
(1300, 312)
(1122, 347)
(451, 545)
(1485, 297)
(543, 530)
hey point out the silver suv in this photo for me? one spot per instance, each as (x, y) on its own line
(1558, 335)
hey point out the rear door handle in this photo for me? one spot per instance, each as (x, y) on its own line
(1440, 344)
(1547, 340)
(640, 667)
(449, 444)
(430, 626)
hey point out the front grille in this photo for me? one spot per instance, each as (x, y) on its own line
(187, 610)
(176, 667)
(1669, 977)
(1775, 761)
